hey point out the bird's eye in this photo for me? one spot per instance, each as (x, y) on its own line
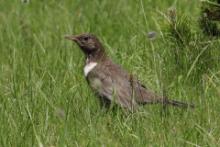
(86, 38)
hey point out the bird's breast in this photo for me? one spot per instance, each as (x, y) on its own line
(89, 67)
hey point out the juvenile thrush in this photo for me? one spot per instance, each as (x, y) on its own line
(111, 82)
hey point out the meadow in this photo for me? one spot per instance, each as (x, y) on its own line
(45, 99)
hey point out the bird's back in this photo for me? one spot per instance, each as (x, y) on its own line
(111, 81)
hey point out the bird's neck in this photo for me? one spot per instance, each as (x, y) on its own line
(97, 56)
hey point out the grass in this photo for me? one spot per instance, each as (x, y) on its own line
(45, 100)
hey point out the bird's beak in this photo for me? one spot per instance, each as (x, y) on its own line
(71, 37)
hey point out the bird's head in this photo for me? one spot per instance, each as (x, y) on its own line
(87, 42)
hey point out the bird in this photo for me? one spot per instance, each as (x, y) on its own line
(110, 82)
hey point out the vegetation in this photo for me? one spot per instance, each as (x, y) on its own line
(210, 12)
(45, 100)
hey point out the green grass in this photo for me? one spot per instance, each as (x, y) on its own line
(45, 99)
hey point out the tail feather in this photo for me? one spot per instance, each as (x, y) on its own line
(179, 104)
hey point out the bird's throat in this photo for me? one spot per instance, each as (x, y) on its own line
(89, 67)
(96, 56)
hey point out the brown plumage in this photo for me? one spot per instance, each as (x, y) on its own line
(111, 82)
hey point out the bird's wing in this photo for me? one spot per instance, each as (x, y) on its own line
(144, 95)
(118, 86)
(113, 84)
(141, 93)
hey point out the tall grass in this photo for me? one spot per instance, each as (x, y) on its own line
(45, 100)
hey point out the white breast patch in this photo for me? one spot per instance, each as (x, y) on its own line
(89, 67)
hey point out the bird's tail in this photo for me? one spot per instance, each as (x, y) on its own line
(178, 104)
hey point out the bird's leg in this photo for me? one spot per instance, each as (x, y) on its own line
(104, 103)
(164, 102)
(132, 91)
